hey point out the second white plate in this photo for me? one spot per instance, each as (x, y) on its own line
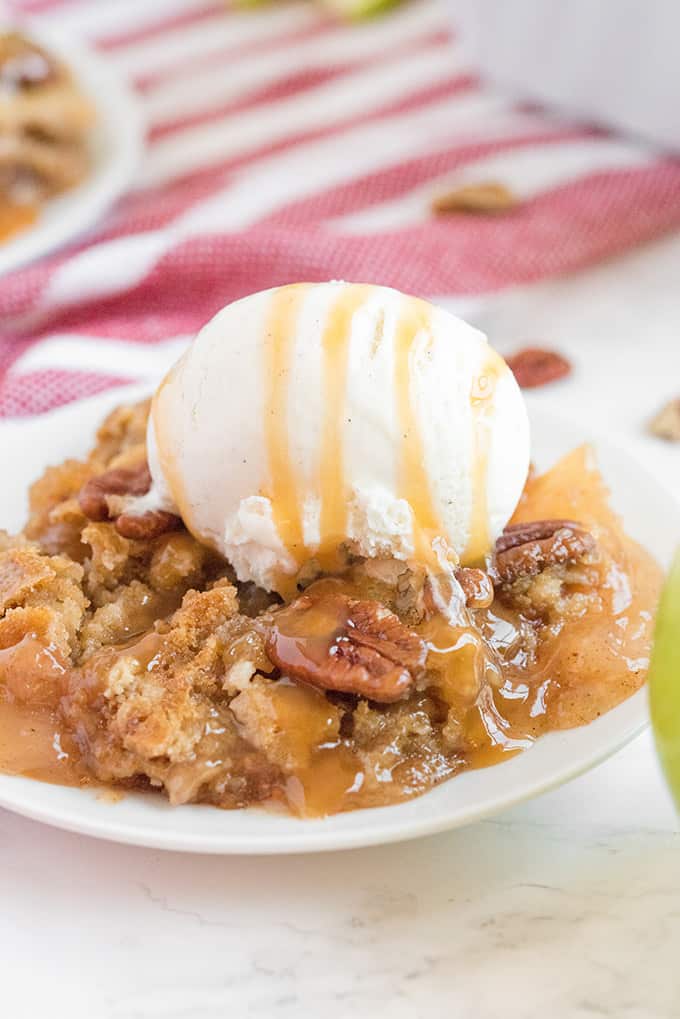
(26, 448)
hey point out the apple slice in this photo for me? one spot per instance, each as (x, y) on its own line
(664, 679)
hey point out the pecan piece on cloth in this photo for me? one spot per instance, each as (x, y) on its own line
(97, 496)
(524, 550)
(334, 642)
(477, 587)
(534, 366)
(666, 424)
(487, 197)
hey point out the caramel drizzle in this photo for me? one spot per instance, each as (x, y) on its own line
(283, 490)
(413, 479)
(332, 482)
(481, 404)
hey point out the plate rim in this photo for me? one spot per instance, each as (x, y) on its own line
(20, 795)
(120, 126)
(308, 840)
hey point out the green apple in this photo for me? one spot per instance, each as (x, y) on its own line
(664, 679)
(351, 10)
(355, 10)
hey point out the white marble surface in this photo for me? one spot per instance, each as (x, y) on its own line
(568, 906)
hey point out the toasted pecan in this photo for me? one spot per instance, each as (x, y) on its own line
(484, 197)
(95, 503)
(144, 526)
(338, 643)
(666, 424)
(534, 366)
(119, 481)
(477, 587)
(525, 549)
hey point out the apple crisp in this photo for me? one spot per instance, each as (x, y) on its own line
(130, 655)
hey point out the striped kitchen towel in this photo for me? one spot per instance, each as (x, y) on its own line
(283, 145)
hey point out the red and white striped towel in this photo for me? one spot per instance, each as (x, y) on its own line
(286, 146)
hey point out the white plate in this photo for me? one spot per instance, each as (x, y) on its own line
(116, 143)
(651, 515)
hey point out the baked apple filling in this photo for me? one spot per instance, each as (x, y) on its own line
(131, 655)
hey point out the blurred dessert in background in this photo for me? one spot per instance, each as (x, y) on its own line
(44, 125)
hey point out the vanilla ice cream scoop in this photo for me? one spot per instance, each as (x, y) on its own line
(315, 416)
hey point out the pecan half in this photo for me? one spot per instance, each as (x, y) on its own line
(119, 481)
(524, 550)
(334, 642)
(95, 503)
(144, 526)
(534, 366)
(477, 587)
